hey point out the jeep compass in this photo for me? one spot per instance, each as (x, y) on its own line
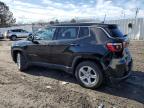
(91, 52)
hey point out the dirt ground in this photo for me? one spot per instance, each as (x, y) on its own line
(44, 88)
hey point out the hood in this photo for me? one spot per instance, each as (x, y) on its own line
(22, 43)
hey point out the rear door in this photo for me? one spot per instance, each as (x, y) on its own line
(24, 33)
(62, 46)
(18, 33)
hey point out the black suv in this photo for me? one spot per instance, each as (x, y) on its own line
(90, 51)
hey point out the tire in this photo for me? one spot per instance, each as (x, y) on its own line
(89, 75)
(21, 62)
(13, 38)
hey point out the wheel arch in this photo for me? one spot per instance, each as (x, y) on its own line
(79, 59)
(13, 35)
(14, 54)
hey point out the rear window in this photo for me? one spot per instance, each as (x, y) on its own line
(115, 32)
(99, 34)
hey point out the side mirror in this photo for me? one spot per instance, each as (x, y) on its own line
(30, 37)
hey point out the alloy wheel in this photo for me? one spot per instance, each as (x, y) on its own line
(88, 75)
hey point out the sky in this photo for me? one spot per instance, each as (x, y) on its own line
(45, 10)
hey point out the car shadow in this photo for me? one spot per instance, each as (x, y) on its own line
(51, 73)
(132, 88)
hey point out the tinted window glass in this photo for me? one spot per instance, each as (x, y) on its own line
(24, 31)
(45, 34)
(67, 33)
(16, 30)
(84, 32)
(19, 30)
(115, 32)
(99, 34)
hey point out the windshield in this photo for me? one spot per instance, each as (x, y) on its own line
(45, 34)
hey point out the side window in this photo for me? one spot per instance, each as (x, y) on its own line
(12, 30)
(18, 30)
(99, 34)
(45, 34)
(15, 30)
(84, 32)
(67, 33)
(24, 31)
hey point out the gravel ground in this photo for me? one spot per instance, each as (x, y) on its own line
(44, 88)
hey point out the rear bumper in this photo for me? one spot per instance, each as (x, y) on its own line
(119, 70)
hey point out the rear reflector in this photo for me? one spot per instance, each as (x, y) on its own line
(114, 47)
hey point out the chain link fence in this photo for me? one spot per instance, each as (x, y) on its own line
(133, 27)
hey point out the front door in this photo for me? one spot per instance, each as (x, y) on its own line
(40, 49)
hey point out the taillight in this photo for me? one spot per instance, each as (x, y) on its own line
(114, 47)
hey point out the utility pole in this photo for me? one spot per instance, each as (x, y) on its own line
(104, 18)
(123, 14)
(135, 21)
(137, 11)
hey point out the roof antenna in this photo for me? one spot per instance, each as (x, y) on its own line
(104, 18)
